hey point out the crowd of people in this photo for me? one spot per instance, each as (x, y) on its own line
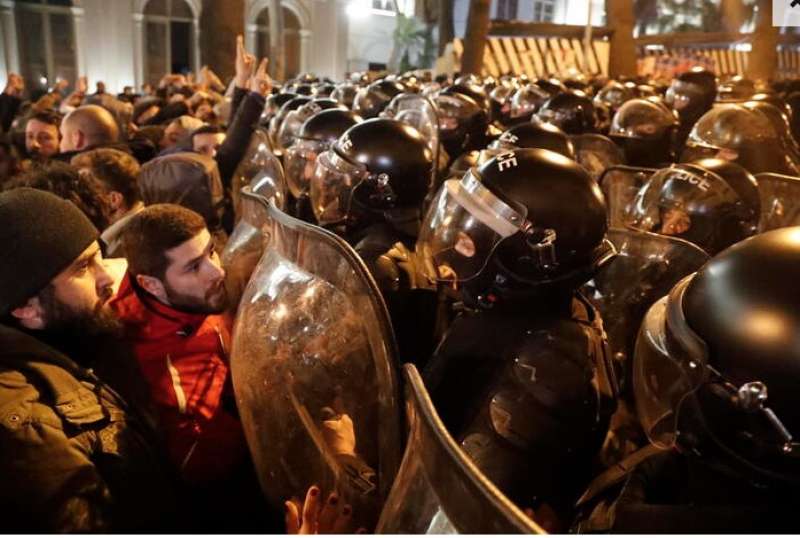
(594, 277)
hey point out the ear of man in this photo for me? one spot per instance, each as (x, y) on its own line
(153, 286)
(31, 314)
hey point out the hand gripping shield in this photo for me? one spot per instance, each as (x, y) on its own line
(438, 489)
(780, 201)
(314, 371)
(261, 170)
(646, 268)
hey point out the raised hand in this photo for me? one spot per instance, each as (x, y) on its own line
(245, 63)
(260, 81)
(316, 516)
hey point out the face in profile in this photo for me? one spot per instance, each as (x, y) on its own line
(195, 280)
(76, 301)
(675, 221)
(208, 143)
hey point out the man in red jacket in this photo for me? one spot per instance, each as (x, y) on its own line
(172, 302)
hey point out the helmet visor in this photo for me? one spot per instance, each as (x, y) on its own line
(301, 159)
(662, 379)
(668, 201)
(332, 186)
(464, 225)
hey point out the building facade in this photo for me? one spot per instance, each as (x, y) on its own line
(130, 42)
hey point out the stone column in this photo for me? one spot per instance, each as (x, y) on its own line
(763, 61)
(79, 26)
(9, 25)
(251, 38)
(138, 50)
(305, 50)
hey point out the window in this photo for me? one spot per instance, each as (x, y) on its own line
(47, 47)
(168, 38)
(544, 10)
(291, 41)
(506, 10)
(389, 7)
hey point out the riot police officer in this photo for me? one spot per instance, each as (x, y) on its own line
(691, 94)
(716, 368)
(572, 112)
(369, 188)
(646, 132)
(463, 121)
(712, 203)
(370, 101)
(315, 136)
(522, 379)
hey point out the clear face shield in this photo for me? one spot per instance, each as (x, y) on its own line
(465, 224)
(294, 121)
(418, 112)
(527, 100)
(452, 113)
(665, 204)
(670, 372)
(334, 184)
(301, 160)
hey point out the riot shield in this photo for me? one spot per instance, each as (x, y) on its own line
(246, 244)
(438, 489)
(261, 170)
(780, 201)
(646, 268)
(620, 185)
(597, 153)
(420, 113)
(314, 370)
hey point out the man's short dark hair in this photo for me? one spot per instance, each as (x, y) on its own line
(155, 230)
(117, 170)
(69, 183)
(207, 129)
(46, 116)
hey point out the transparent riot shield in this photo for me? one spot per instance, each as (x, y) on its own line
(314, 370)
(261, 170)
(438, 489)
(646, 268)
(597, 153)
(419, 112)
(620, 185)
(780, 201)
(246, 244)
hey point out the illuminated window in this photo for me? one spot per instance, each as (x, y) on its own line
(47, 48)
(168, 38)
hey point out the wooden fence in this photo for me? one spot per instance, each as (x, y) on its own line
(540, 50)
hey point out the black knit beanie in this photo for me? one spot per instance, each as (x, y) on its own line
(40, 236)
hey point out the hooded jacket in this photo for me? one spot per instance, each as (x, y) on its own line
(184, 359)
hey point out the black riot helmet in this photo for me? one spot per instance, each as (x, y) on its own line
(692, 94)
(779, 119)
(274, 104)
(345, 93)
(376, 168)
(534, 134)
(370, 101)
(573, 112)
(614, 95)
(462, 122)
(315, 136)
(552, 86)
(278, 119)
(735, 88)
(717, 362)
(526, 101)
(473, 91)
(324, 89)
(646, 132)
(301, 88)
(294, 120)
(712, 203)
(741, 135)
(506, 224)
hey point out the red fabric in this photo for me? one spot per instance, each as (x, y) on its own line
(196, 345)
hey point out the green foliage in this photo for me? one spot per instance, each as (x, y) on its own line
(413, 43)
